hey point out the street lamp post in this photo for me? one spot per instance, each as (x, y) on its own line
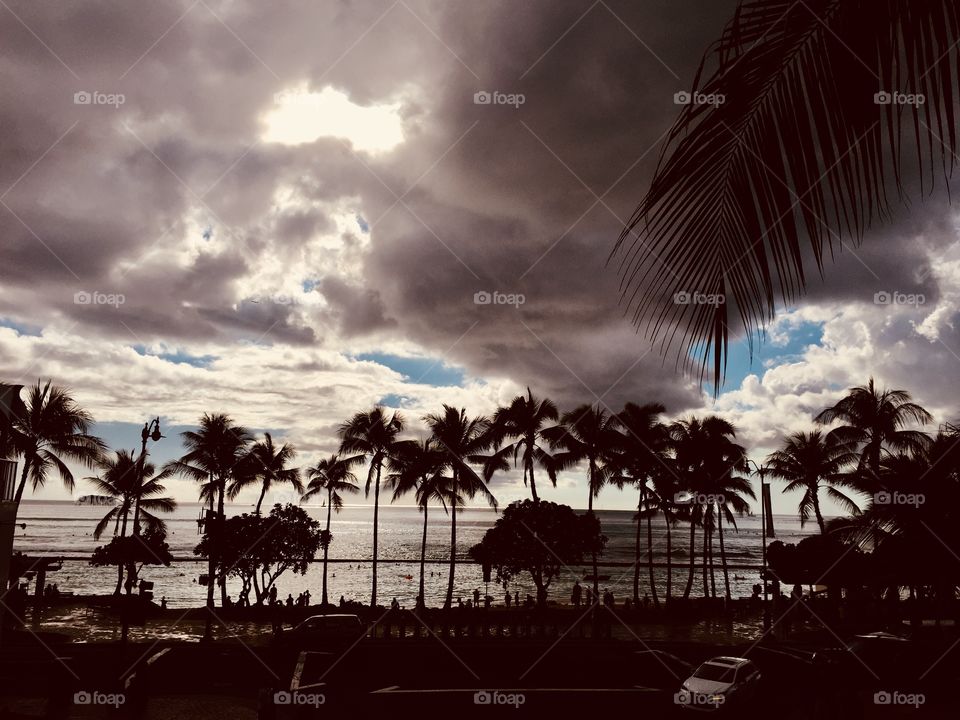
(761, 469)
(151, 431)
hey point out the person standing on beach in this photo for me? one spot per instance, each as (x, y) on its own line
(575, 595)
(506, 599)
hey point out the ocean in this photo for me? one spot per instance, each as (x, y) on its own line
(65, 529)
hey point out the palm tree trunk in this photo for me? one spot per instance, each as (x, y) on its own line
(636, 550)
(211, 563)
(816, 511)
(713, 580)
(326, 545)
(23, 483)
(706, 545)
(448, 602)
(220, 522)
(263, 492)
(533, 484)
(593, 556)
(693, 555)
(723, 557)
(123, 533)
(376, 515)
(423, 558)
(666, 518)
(653, 583)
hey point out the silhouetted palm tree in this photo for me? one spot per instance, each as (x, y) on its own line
(334, 477)
(52, 429)
(874, 420)
(640, 459)
(808, 462)
(118, 479)
(523, 422)
(266, 464)
(730, 493)
(373, 435)
(587, 433)
(214, 458)
(791, 152)
(460, 440)
(705, 454)
(418, 467)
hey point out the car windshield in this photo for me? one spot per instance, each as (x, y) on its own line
(716, 673)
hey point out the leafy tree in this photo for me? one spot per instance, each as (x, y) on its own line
(540, 538)
(259, 549)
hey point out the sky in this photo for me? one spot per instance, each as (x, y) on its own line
(290, 212)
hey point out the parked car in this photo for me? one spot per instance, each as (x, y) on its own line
(718, 682)
(324, 629)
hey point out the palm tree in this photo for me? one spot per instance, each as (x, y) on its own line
(809, 462)
(729, 493)
(874, 420)
(118, 479)
(214, 458)
(52, 428)
(523, 422)
(796, 152)
(460, 440)
(587, 433)
(266, 464)
(418, 467)
(640, 458)
(334, 477)
(705, 456)
(373, 435)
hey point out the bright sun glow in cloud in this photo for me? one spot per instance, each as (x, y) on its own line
(300, 116)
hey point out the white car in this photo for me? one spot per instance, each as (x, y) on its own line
(717, 682)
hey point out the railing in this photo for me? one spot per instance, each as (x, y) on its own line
(8, 479)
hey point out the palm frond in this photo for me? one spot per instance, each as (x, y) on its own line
(785, 151)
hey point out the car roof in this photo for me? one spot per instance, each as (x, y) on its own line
(727, 661)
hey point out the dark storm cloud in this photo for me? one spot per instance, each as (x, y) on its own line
(521, 200)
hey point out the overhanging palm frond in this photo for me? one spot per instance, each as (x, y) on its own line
(791, 144)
